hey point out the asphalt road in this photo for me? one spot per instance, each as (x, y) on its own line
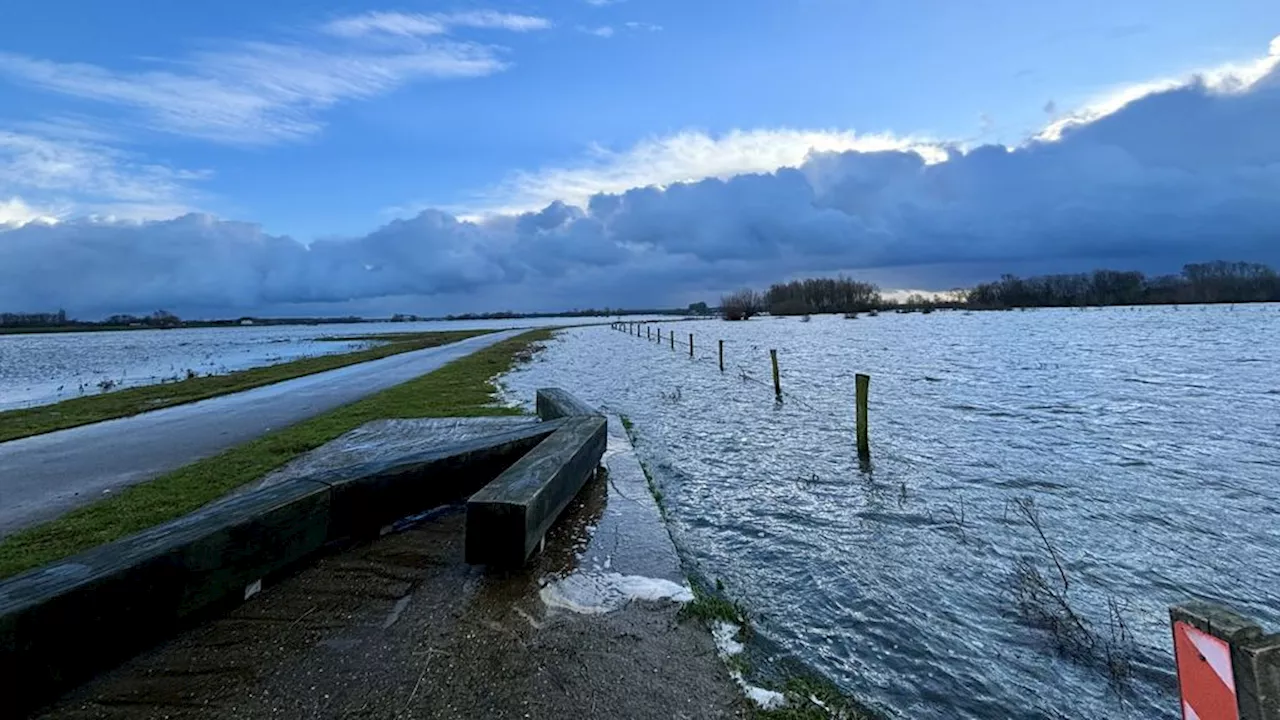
(44, 476)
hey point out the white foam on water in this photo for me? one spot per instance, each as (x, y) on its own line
(595, 593)
(766, 699)
(725, 635)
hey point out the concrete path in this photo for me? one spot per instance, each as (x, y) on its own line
(44, 476)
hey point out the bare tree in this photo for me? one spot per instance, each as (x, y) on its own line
(741, 305)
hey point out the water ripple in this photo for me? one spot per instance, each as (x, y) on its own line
(1150, 452)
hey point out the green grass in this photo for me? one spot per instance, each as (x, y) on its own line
(16, 424)
(461, 388)
(712, 607)
(654, 490)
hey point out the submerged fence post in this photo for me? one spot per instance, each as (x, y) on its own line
(648, 333)
(863, 386)
(1227, 668)
(690, 344)
(777, 382)
(672, 336)
(721, 356)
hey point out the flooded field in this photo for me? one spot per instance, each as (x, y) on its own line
(1145, 443)
(44, 368)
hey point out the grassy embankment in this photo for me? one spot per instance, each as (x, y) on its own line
(461, 388)
(20, 423)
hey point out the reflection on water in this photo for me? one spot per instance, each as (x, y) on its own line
(1147, 439)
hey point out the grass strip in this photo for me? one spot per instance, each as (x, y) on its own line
(464, 387)
(24, 422)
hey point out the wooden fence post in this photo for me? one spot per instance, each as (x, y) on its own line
(777, 382)
(863, 388)
(721, 356)
(672, 336)
(690, 344)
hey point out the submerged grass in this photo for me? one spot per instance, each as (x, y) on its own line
(25, 422)
(464, 387)
(654, 490)
(714, 607)
(808, 695)
(813, 698)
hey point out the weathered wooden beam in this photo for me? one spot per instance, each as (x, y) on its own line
(507, 519)
(553, 403)
(369, 496)
(61, 623)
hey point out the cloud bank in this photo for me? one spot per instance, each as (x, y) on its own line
(1180, 173)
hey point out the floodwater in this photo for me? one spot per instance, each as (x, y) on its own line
(43, 368)
(1148, 440)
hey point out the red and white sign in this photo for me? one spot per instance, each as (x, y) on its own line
(1205, 680)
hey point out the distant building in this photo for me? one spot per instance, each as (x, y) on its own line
(246, 321)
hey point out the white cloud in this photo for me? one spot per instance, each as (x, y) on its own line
(604, 31)
(498, 21)
(649, 27)
(419, 24)
(1228, 78)
(392, 23)
(683, 157)
(261, 92)
(70, 175)
(14, 212)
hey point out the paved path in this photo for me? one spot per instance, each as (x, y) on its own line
(44, 476)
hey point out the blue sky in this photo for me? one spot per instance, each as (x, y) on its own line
(286, 123)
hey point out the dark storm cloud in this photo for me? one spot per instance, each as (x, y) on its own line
(1182, 175)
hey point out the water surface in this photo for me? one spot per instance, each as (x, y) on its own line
(42, 368)
(1148, 438)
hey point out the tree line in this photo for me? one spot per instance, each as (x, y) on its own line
(1211, 282)
(803, 297)
(59, 319)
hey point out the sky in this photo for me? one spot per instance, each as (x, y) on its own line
(311, 157)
